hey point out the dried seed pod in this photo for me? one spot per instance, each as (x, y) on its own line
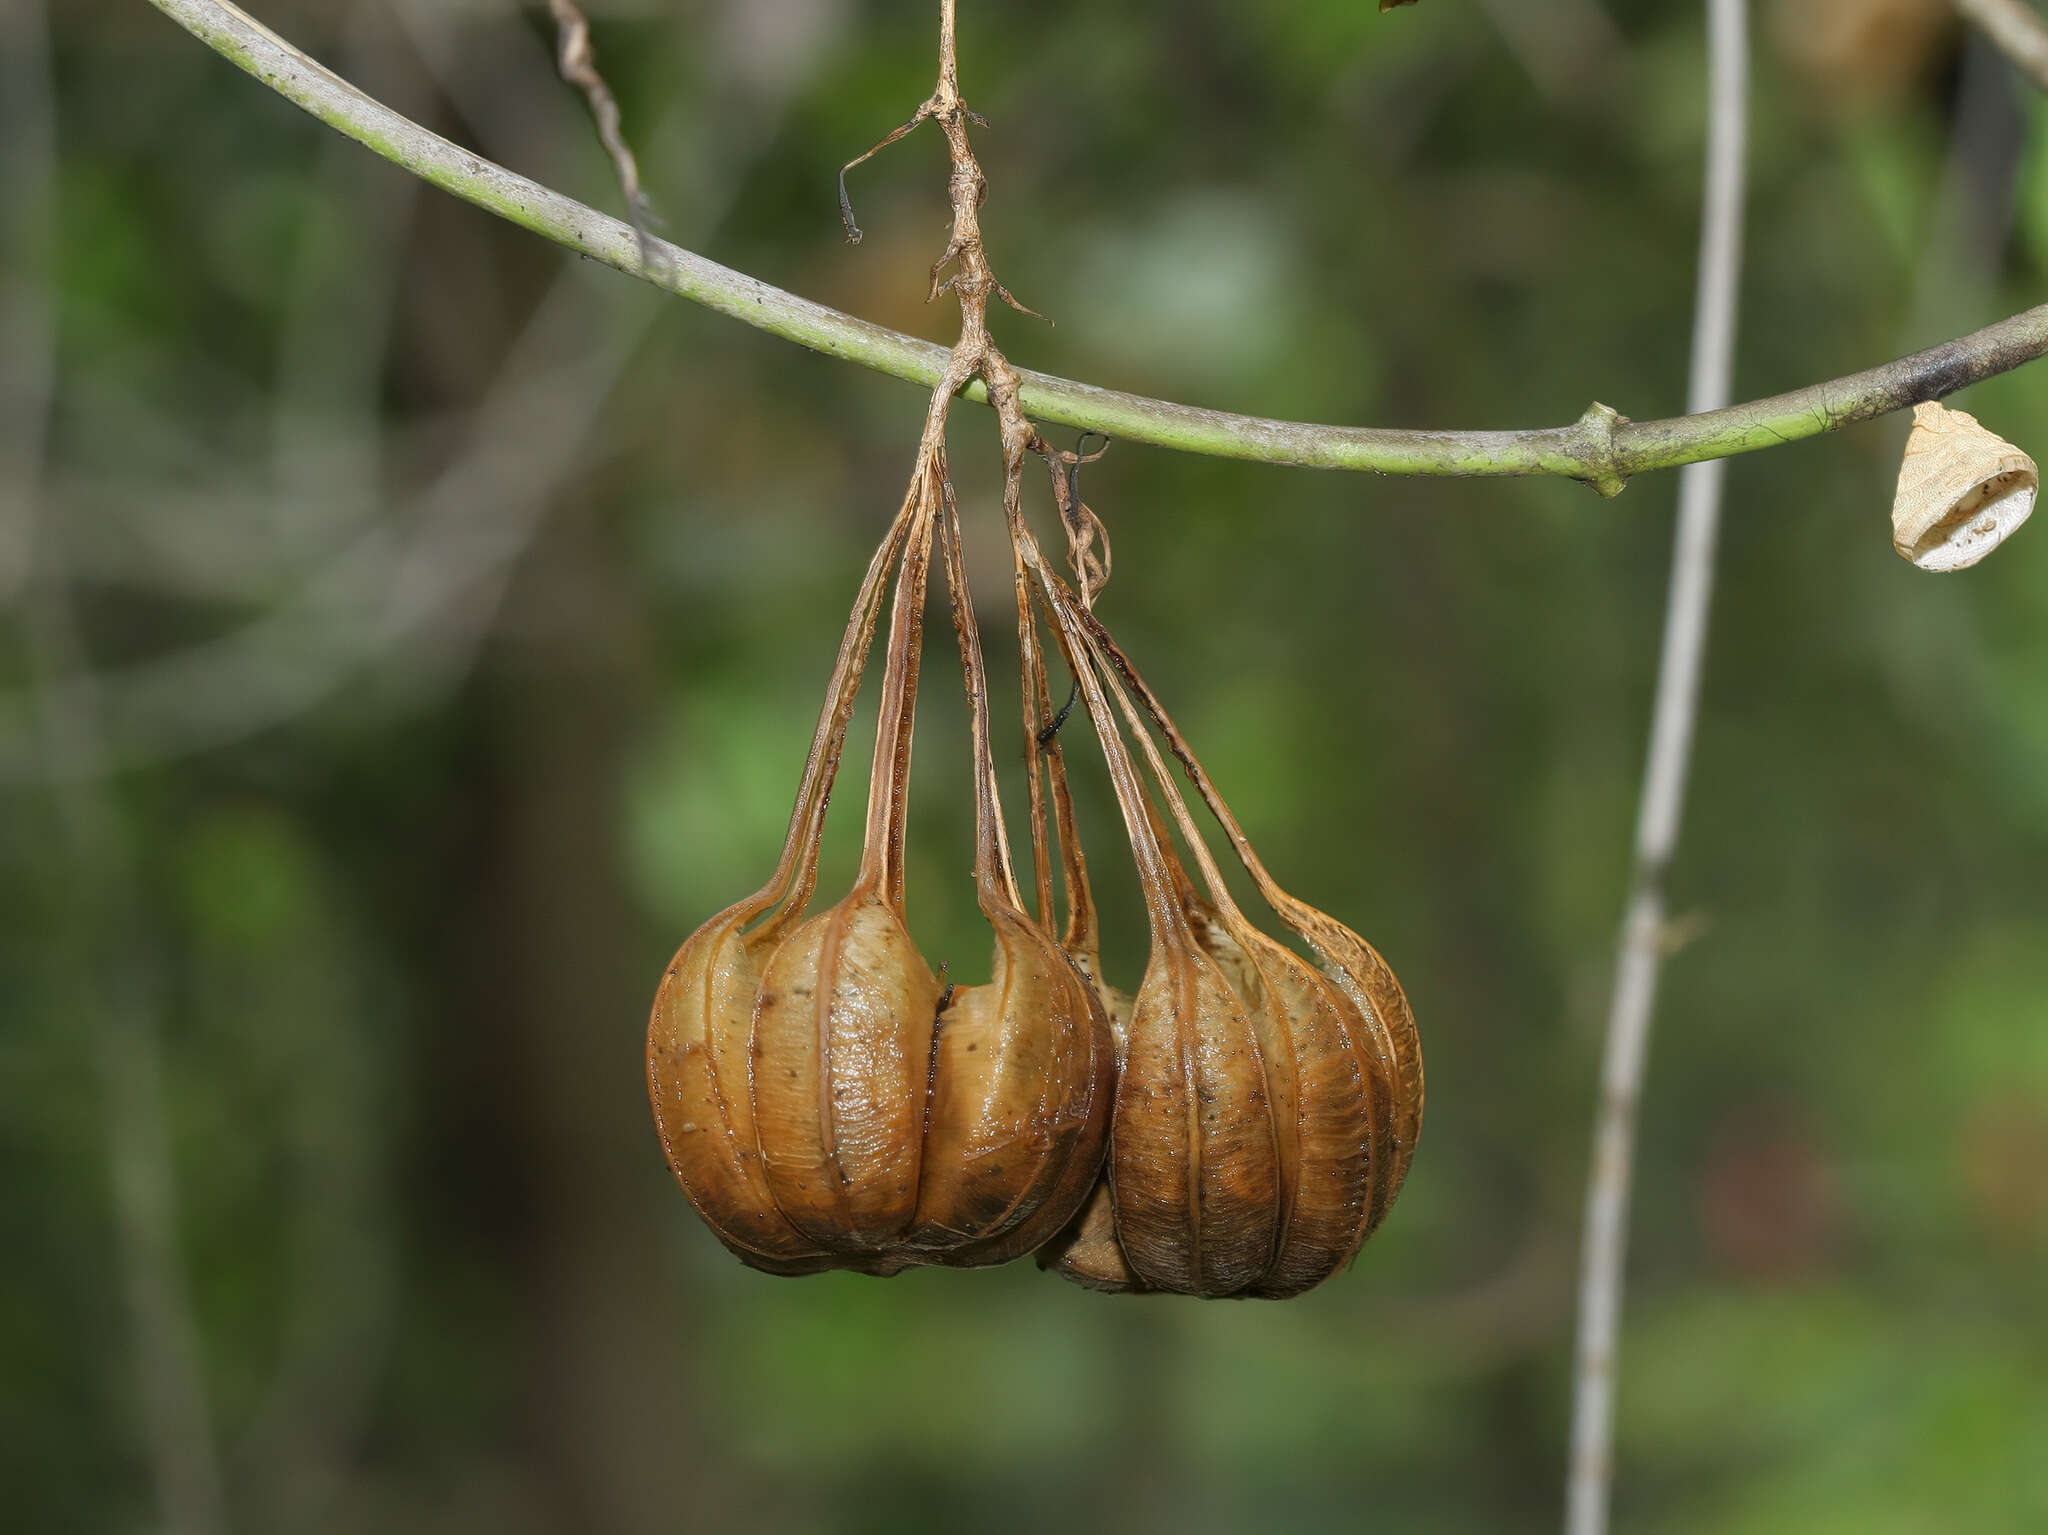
(1393, 1045)
(1022, 1082)
(1087, 1250)
(698, 1035)
(1324, 1118)
(1195, 1165)
(1962, 490)
(1023, 1067)
(1194, 1156)
(1265, 1110)
(1332, 1131)
(843, 1021)
(817, 1104)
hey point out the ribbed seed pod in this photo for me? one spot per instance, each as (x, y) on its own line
(1195, 1161)
(698, 1037)
(1023, 1067)
(1194, 1157)
(1393, 1047)
(819, 1105)
(1321, 1088)
(1262, 1106)
(843, 1022)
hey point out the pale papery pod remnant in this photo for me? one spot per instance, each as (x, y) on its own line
(1963, 490)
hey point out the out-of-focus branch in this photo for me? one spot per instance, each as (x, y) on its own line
(380, 592)
(432, 593)
(1643, 935)
(2016, 28)
(1602, 448)
(97, 890)
(1969, 218)
(335, 330)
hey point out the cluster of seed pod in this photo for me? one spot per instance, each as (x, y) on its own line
(1238, 1126)
(823, 1103)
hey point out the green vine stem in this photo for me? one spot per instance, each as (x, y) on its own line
(1602, 448)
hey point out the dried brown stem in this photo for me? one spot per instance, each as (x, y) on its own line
(963, 267)
(799, 859)
(853, 233)
(992, 869)
(1037, 724)
(578, 63)
(889, 782)
(1158, 872)
(1083, 936)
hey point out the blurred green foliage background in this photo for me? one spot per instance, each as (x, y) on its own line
(409, 633)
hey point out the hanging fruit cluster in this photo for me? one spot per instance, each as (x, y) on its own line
(1237, 1126)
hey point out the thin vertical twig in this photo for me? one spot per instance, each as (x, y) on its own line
(577, 61)
(1671, 735)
